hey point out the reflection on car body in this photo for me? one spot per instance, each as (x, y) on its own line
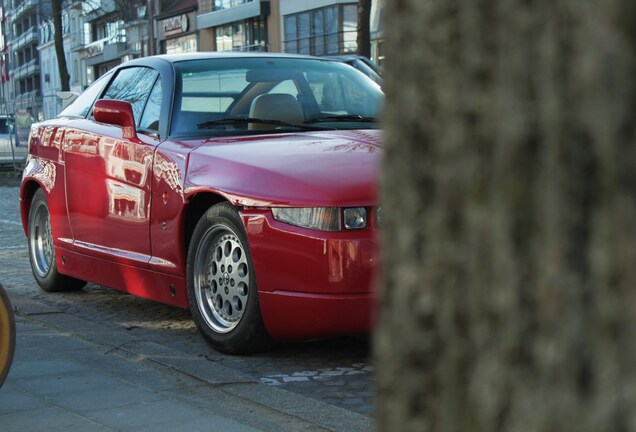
(240, 186)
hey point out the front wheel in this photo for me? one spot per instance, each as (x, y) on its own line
(42, 250)
(222, 290)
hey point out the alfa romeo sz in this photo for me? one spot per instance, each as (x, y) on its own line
(240, 186)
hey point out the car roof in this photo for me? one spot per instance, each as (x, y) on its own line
(173, 58)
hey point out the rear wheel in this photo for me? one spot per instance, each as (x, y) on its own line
(221, 284)
(42, 250)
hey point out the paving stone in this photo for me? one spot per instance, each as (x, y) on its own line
(164, 415)
(29, 369)
(13, 400)
(110, 395)
(48, 419)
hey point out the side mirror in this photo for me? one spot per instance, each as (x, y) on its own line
(118, 113)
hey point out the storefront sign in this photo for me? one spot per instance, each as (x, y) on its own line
(175, 25)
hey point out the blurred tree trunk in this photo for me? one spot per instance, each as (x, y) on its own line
(364, 28)
(56, 6)
(508, 300)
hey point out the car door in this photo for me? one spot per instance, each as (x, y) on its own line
(108, 177)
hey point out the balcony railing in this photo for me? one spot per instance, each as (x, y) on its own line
(22, 8)
(30, 68)
(25, 100)
(134, 48)
(97, 9)
(73, 4)
(97, 47)
(25, 38)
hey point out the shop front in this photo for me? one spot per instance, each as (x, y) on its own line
(177, 33)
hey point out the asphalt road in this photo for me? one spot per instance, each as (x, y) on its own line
(335, 371)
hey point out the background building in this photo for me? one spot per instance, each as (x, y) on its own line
(319, 27)
(101, 34)
(25, 17)
(104, 35)
(50, 76)
(6, 93)
(136, 29)
(238, 25)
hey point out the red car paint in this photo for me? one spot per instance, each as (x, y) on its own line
(118, 208)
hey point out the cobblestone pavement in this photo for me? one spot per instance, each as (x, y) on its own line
(336, 371)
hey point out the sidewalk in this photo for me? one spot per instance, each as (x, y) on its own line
(105, 380)
(61, 383)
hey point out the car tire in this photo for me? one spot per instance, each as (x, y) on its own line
(222, 292)
(42, 254)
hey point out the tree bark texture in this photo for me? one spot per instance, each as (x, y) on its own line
(364, 28)
(508, 299)
(58, 40)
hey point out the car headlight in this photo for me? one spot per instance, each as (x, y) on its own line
(355, 218)
(317, 218)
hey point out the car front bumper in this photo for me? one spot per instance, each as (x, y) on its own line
(311, 283)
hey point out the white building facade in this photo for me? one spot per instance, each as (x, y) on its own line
(50, 75)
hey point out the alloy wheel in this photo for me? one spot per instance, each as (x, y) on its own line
(41, 239)
(221, 278)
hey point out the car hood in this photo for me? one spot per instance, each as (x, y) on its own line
(330, 168)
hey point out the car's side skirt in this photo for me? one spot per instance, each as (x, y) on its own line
(141, 282)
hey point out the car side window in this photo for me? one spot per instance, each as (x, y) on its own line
(152, 112)
(132, 85)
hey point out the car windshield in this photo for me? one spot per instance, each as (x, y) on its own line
(220, 97)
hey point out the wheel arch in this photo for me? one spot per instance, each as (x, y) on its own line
(245, 331)
(27, 191)
(198, 204)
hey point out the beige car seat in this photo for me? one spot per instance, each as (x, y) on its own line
(275, 106)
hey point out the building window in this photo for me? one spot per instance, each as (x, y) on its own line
(89, 75)
(324, 31)
(182, 44)
(113, 32)
(248, 35)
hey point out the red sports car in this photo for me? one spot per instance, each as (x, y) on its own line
(240, 186)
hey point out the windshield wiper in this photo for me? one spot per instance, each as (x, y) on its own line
(246, 120)
(342, 118)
